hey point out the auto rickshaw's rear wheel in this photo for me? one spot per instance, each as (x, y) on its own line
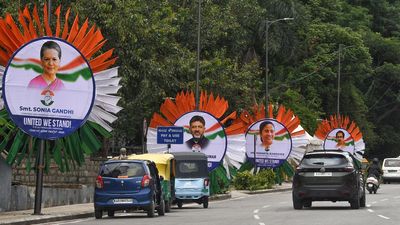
(205, 202)
(180, 203)
(161, 208)
(167, 206)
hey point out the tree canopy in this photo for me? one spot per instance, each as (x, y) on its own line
(156, 45)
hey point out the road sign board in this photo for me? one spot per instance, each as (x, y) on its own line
(170, 135)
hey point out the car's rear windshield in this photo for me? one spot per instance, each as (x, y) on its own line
(191, 169)
(324, 160)
(122, 170)
(392, 163)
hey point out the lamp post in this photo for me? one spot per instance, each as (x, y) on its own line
(341, 48)
(198, 55)
(267, 24)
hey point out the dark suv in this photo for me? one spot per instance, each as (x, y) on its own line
(127, 185)
(328, 175)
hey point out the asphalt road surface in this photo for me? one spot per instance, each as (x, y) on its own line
(270, 208)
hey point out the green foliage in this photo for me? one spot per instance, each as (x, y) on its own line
(248, 181)
(156, 45)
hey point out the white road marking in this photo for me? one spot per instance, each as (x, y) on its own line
(370, 210)
(237, 198)
(266, 206)
(261, 223)
(256, 211)
(368, 205)
(384, 217)
(397, 197)
(385, 199)
(282, 202)
(256, 217)
(373, 203)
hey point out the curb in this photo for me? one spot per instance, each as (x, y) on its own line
(49, 218)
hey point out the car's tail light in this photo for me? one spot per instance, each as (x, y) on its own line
(145, 181)
(206, 182)
(99, 182)
(348, 169)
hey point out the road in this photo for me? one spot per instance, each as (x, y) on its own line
(270, 208)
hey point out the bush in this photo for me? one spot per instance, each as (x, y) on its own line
(247, 181)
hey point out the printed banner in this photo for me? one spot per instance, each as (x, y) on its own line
(339, 139)
(268, 143)
(202, 133)
(48, 88)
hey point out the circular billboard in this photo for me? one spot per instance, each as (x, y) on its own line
(202, 133)
(48, 88)
(268, 143)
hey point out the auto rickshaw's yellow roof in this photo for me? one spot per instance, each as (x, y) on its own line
(158, 158)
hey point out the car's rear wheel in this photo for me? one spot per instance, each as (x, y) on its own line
(98, 213)
(307, 203)
(205, 202)
(150, 210)
(362, 201)
(110, 213)
(297, 203)
(161, 208)
(355, 202)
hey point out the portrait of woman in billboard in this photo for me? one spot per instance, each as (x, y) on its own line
(268, 143)
(50, 58)
(339, 139)
(203, 133)
(42, 83)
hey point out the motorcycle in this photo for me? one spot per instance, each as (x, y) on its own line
(372, 184)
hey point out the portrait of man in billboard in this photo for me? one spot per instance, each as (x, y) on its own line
(339, 139)
(268, 143)
(197, 127)
(202, 133)
(50, 58)
(340, 143)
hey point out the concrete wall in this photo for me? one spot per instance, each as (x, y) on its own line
(23, 197)
(72, 187)
(5, 185)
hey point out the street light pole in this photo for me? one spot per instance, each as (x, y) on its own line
(198, 56)
(338, 80)
(267, 24)
(341, 48)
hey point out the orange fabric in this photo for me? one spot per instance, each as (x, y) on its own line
(65, 29)
(57, 13)
(35, 15)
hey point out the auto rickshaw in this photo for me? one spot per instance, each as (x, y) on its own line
(166, 168)
(192, 183)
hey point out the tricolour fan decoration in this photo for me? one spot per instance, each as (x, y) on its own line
(338, 132)
(88, 40)
(213, 110)
(299, 137)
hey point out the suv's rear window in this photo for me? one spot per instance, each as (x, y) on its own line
(122, 170)
(392, 163)
(324, 159)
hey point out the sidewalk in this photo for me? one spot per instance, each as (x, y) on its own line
(76, 211)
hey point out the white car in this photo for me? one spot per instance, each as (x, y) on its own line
(391, 170)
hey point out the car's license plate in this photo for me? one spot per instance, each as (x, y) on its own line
(325, 174)
(123, 201)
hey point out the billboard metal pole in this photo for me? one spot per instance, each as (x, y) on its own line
(40, 164)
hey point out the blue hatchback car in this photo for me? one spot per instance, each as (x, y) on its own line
(128, 185)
